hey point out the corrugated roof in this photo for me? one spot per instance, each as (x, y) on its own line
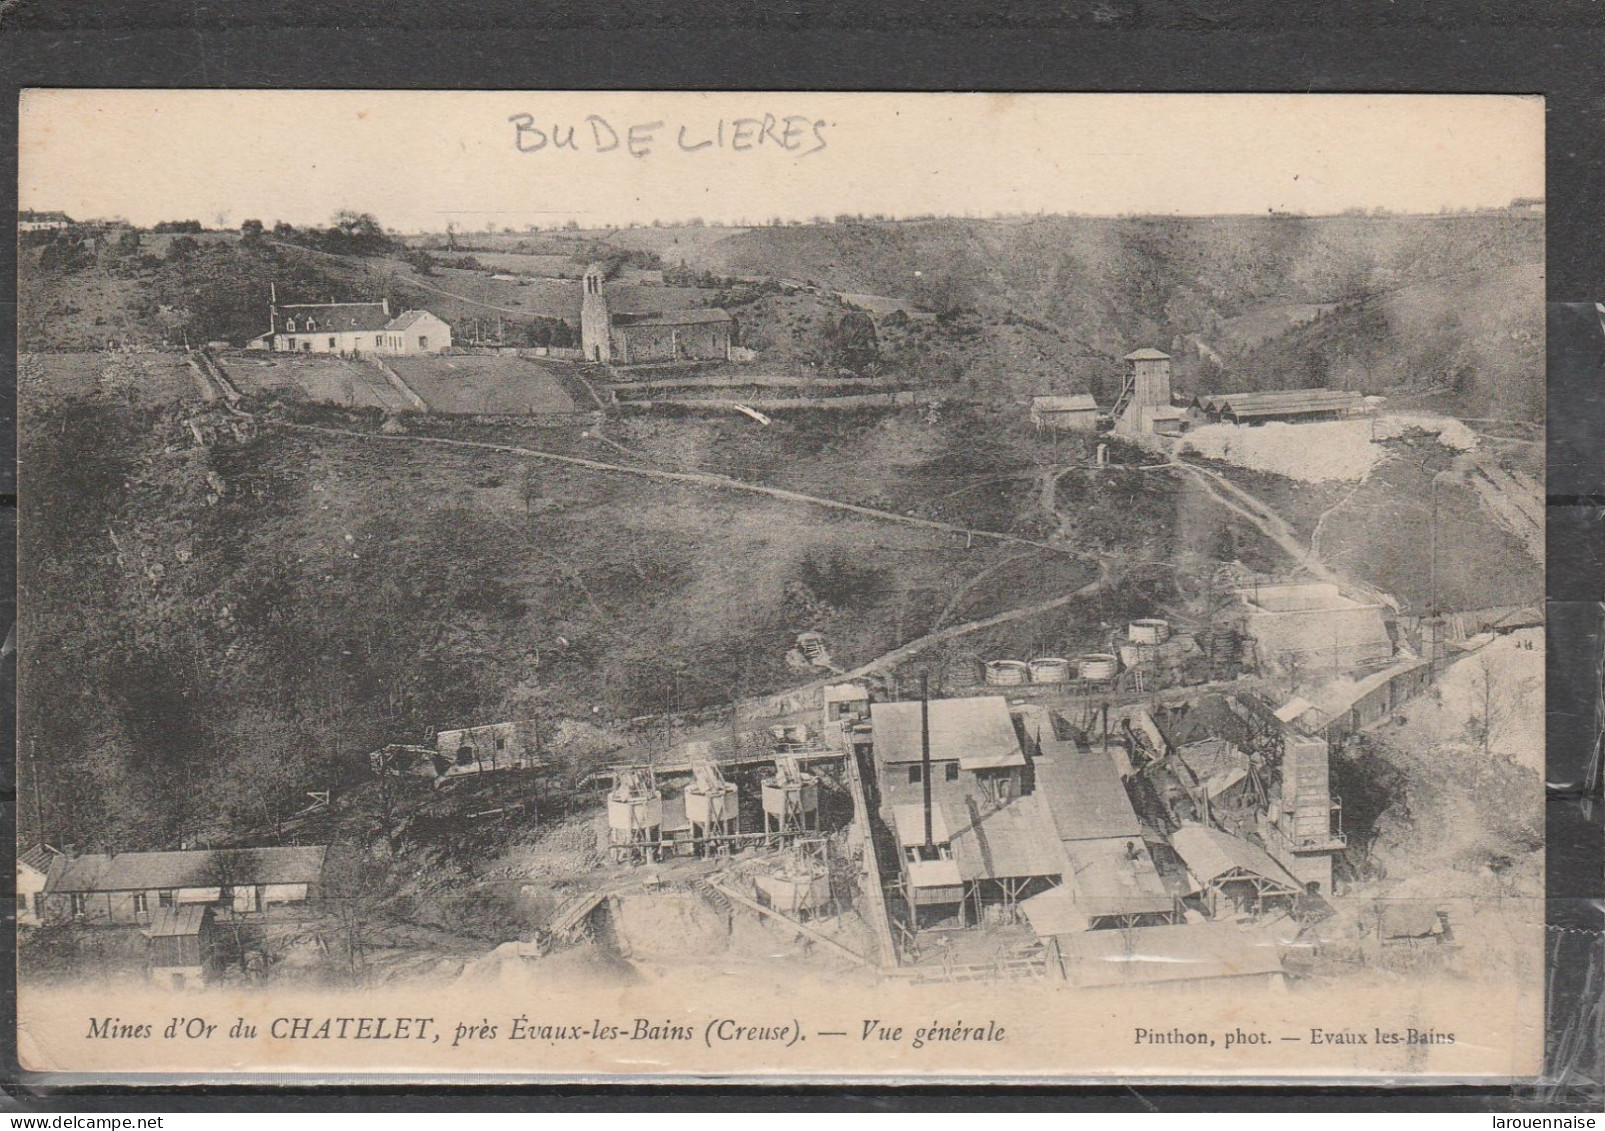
(38, 858)
(180, 919)
(673, 318)
(1080, 402)
(1146, 354)
(333, 318)
(150, 871)
(1210, 854)
(1165, 954)
(976, 727)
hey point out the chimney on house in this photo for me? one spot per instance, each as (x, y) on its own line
(385, 303)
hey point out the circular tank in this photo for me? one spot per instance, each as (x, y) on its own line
(1050, 669)
(710, 806)
(783, 798)
(1006, 673)
(1148, 631)
(796, 892)
(629, 816)
(1099, 666)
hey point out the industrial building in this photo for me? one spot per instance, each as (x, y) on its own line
(624, 338)
(1290, 405)
(972, 736)
(1307, 627)
(1144, 406)
(1078, 413)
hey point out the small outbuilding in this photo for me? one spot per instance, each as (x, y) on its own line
(1078, 413)
(182, 945)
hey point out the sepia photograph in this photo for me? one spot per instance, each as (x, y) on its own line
(780, 586)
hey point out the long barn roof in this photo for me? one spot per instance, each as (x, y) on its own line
(151, 871)
(1283, 402)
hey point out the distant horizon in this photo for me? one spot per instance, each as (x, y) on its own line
(818, 221)
(418, 159)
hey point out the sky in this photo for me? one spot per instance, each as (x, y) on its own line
(419, 160)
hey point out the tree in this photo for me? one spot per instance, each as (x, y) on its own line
(251, 231)
(852, 342)
(182, 248)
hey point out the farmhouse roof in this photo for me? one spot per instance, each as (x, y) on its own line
(408, 318)
(976, 727)
(845, 693)
(336, 317)
(148, 871)
(1210, 854)
(181, 919)
(39, 858)
(1165, 954)
(1084, 793)
(699, 317)
(1146, 354)
(1079, 402)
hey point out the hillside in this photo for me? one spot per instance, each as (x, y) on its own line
(1447, 306)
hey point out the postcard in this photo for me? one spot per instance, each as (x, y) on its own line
(790, 586)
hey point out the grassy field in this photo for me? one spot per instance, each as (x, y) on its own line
(483, 384)
(149, 378)
(322, 379)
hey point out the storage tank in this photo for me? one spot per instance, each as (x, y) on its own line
(790, 799)
(1148, 631)
(711, 803)
(1006, 673)
(1050, 669)
(799, 894)
(1099, 666)
(634, 811)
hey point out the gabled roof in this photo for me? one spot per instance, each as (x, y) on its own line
(1210, 854)
(333, 318)
(700, 317)
(1084, 793)
(26, 217)
(180, 919)
(39, 858)
(1079, 402)
(408, 318)
(976, 727)
(208, 868)
(1146, 354)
